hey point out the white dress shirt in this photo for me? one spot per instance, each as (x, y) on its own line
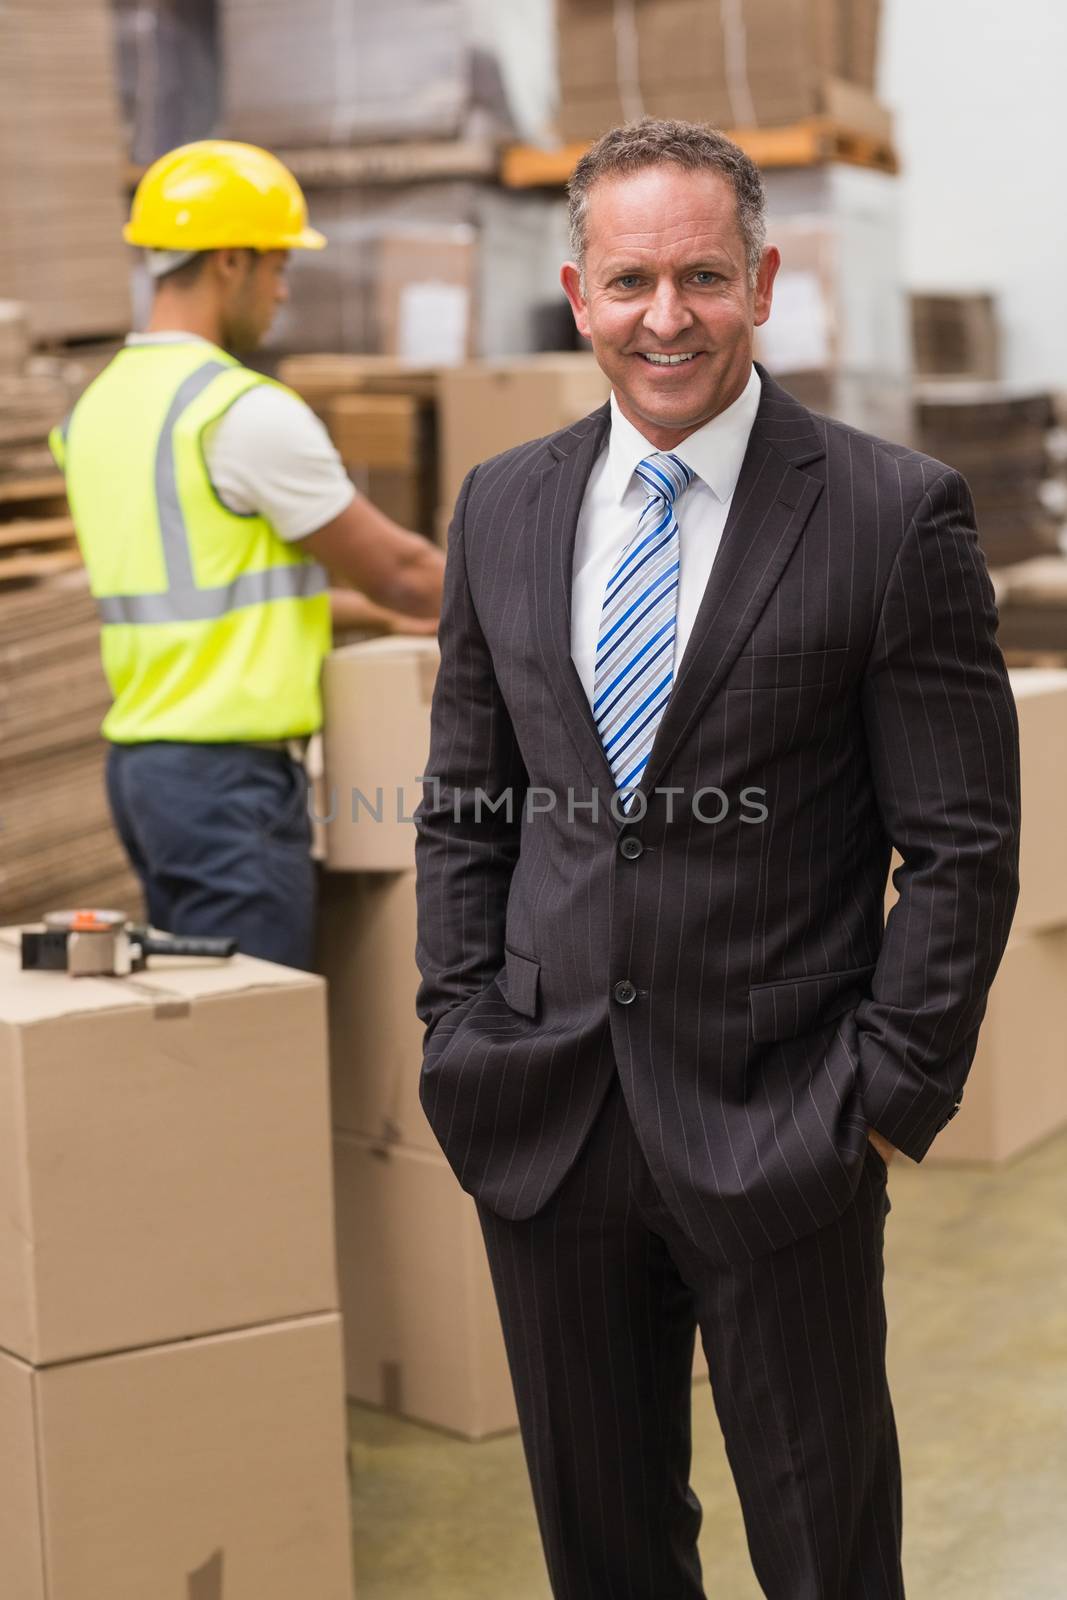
(613, 503)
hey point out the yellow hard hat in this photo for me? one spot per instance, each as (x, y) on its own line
(217, 195)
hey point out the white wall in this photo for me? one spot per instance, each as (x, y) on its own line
(979, 88)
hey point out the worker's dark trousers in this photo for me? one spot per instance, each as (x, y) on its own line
(220, 836)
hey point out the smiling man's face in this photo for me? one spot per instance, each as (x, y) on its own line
(667, 298)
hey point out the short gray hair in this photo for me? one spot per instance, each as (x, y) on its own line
(694, 147)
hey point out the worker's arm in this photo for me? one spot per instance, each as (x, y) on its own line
(350, 609)
(270, 455)
(401, 571)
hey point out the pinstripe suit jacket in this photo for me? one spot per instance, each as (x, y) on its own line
(843, 662)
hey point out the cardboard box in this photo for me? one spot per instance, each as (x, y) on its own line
(422, 1334)
(164, 1154)
(583, 120)
(376, 738)
(376, 430)
(366, 953)
(425, 287)
(1016, 1093)
(212, 1469)
(1041, 703)
(956, 336)
(489, 408)
(858, 24)
(323, 377)
(388, 443)
(1032, 602)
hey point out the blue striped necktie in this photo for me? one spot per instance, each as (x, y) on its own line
(635, 646)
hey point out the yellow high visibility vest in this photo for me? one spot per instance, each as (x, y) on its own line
(214, 628)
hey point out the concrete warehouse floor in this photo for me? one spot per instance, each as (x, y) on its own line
(976, 1285)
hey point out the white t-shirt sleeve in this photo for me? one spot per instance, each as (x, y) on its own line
(270, 455)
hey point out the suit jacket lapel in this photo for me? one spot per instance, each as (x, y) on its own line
(771, 504)
(556, 494)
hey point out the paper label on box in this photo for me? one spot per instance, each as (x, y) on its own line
(432, 321)
(797, 336)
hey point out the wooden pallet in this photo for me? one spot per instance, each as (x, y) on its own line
(811, 143)
(36, 532)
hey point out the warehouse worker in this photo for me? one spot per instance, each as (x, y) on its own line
(208, 500)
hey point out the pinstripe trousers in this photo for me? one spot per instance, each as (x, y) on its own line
(600, 1297)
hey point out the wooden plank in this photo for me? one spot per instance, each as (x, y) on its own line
(38, 486)
(812, 142)
(323, 167)
(37, 530)
(18, 568)
(523, 166)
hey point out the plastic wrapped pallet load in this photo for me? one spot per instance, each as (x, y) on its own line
(319, 72)
(428, 272)
(838, 334)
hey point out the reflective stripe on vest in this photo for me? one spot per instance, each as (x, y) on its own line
(208, 605)
(183, 600)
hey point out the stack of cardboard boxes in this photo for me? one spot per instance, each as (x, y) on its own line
(61, 249)
(382, 415)
(956, 336)
(57, 843)
(1012, 448)
(998, 438)
(734, 65)
(409, 435)
(1017, 1091)
(171, 1402)
(422, 1337)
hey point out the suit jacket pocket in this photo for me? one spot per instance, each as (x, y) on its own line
(804, 669)
(521, 982)
(793, 1006)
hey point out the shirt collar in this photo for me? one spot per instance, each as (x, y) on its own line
(715, 452)
(168, 336)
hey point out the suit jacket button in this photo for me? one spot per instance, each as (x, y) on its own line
(631, 847)
(625, 993)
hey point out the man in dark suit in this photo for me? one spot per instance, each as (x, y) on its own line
(706, 657)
